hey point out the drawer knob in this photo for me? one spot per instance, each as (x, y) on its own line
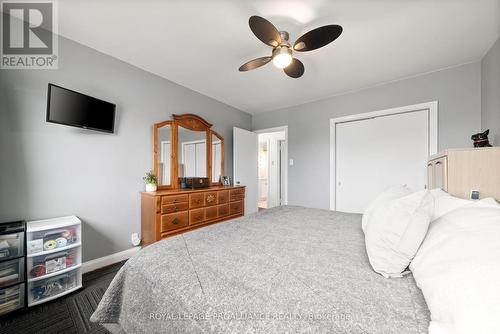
(175, 200)
(175, 221)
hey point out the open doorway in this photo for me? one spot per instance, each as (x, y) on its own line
(272, 167)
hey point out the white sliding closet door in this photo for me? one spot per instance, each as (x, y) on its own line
(216, 156)
(166, 152)
(374, 154)
(201, 159)
(189, 159)
(194, 159)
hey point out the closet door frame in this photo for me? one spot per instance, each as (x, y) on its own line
(432, 108)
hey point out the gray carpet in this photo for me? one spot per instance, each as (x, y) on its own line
(69, 314)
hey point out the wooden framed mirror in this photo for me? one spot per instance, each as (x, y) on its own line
(192, 152)
(163, 155)
(187, 147)
(217, 157)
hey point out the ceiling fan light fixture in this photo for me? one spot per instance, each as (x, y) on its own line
(282, 56)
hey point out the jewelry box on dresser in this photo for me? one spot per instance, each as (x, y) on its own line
(187, 147)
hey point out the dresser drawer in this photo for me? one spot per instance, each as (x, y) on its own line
(196, 216)
(236, 207)
(223, 196)
(171, 208)
(210, 198)
(223, 210)
(237, 194)
(174, 221)
(196, 200)
(211, 213)
(174, 199)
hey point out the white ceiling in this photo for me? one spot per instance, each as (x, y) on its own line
(200, 44)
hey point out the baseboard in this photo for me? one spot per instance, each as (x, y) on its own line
(108, 260)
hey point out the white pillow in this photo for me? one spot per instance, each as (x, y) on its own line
(395, 231)
(383, 198)
(444, 203)
(458, 269)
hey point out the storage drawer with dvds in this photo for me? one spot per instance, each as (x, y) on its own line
(11, 272)
(11, 298)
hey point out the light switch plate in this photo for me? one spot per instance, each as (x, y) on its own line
(291, 162)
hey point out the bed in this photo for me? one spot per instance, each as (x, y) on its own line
(287, 269)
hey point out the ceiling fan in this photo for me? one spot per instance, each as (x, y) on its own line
(282, 49)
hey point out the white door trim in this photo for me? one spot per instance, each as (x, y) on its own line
(433, 133)
(278, 129)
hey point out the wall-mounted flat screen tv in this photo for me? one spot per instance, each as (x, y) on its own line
(71, 108)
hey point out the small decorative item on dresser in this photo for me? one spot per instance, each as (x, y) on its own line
(481, 139)
(226, 180)
(151, 181)
(196, 182)
(182, 183)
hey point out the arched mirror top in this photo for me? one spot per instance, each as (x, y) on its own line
(192, 122)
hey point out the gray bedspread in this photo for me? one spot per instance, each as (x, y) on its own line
(284, 270)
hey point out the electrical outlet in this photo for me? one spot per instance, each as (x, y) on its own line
(474, 194)
(136, 241)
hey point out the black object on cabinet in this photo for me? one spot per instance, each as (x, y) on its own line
(12, 267)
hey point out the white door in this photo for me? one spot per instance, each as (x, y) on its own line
(216, 158)
(189, 159)
(165, 160)
(245, 162)
(201, 159)
(375, 154)
(194, 159)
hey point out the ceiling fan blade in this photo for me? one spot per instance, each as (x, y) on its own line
(265, 31)
(317, 38)
(254, 63)
(295, 69)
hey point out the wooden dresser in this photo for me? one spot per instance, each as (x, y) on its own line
(168, 212)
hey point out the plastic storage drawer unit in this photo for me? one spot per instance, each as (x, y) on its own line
(12, 267)
(54, 258)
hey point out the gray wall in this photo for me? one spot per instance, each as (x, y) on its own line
(490, 90)
(49, 170)
(458, 91)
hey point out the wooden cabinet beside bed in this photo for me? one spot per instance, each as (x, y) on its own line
(168, 212)
(459, 171)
